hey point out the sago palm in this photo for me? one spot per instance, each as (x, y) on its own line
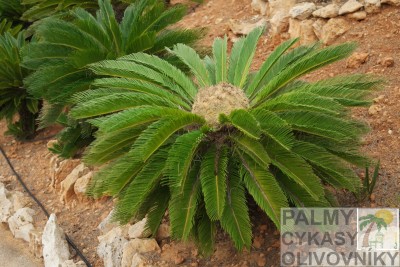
(14, 99)
(197, 145)
(64, 49)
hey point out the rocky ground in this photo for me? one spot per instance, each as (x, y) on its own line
(378, 54)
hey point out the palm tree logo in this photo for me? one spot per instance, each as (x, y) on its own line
(381, 218)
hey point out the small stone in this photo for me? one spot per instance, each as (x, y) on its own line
(327, 12)
(302, 11)
(178, 259)
(55, 247)
(261, 260)
(258, 242)
(333, 29)
(138, 230)
(386, 62)
(374, 109)
(379, 98)
(244, 27)
(218, 21)
(372, 6)
(359, 15)
(391, 2)
(81, 186)
(163, 231)
(67, 186)
(372, 197)
(356, 60)
(390, 132)
(350, 6)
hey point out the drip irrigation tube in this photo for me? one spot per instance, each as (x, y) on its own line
(69, 240)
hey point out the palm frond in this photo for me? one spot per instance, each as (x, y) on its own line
(213, 174)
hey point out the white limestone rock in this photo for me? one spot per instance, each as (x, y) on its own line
(138, 230)
(6, 207)
(21, 223)
(67, 186)
(81, 185)
(350, 6)
(302, 11)
(110, 247)
(327, 12)
(55, 246)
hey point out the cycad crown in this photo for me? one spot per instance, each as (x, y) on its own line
(283, 140)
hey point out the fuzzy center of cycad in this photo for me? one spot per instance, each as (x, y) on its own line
(218, 99)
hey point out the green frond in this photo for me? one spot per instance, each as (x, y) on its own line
(254, 86)
(189, 56)
(329, 166)
(160, 131)
(205, 233)
(296, 194)
(113, 177)
(322, 125)
(168, 38)
(131, 118)
(211, 69)
(181, 156)
(115, 102)
(298, 100)
(220, 48)
(263, 187)
(130, 200)
(274, 127)
(110, 146)
(141, 86)
(304, 65)
(244, 122)
(235, 218)
(246, 57)
(284, 61)
(188, 89)
(253, 148)
(160, 199)
(295, 168)
(213, 176)
(183, 205)
(234, 59)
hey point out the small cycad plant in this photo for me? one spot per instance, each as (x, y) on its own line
(196, 145)
(16, 105)
(64, 49)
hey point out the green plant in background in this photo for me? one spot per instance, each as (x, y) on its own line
(64, 49)
(196, 146)
(369, 184)
(16, 106)
(40, 9)
(7, 26)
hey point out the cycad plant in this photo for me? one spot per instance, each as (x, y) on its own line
(197, 145)
(64, 49)
(16, 105)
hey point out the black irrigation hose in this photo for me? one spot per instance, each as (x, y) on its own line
(69, 240)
